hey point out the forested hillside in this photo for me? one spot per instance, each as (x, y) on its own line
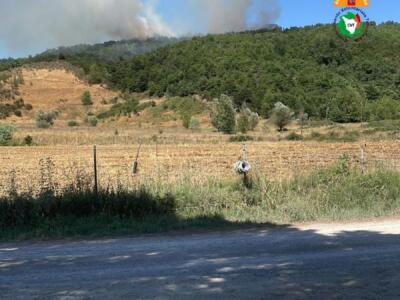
(309, 69)
(94, 59)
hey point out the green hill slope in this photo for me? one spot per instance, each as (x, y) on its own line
(307, 68)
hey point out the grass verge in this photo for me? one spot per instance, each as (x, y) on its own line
(335, 193)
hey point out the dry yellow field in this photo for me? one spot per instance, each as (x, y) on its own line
(197, 162)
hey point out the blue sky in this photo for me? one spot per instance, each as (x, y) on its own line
(293, 12)
(182, 17)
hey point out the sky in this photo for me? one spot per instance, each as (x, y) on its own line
(29, 27)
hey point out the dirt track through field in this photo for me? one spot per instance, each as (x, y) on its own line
(197, 161)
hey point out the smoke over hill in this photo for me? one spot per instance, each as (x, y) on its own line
(40, 24)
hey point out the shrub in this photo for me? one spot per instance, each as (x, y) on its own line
(28, 107)
(383, 109)
(96, 74)
(45, 120)
(92, 121)
(240, 138)
(333, 136)
(186, 121)
(126, 108)
(254, 119)
(86, 99)
(281, 115)
(18, 113)
(28, 140)
(243, 122)
(294, 137)
(144, 105)
(386, 125)
(194, 123)
(73, 123)
(248, 120)
(6, 134)
(223, 114)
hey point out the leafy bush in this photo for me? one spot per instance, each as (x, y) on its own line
(254, 119)
(240, 138)
(97, 74)
(45, 120)
(73, 123)
(223, 114)
(294, 137)
(186, 121)
(6, 134)
(145, 105)
(194, 123)
(248, 120)
(333, 136)
(243, 123)
(386, 125)
(118, 109)
(92, 120)
(28, 140)
(86, 99)
(383, 109)
(15, 108)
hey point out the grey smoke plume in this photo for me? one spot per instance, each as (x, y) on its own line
(35, 25)
(231, 15)
(30, 24)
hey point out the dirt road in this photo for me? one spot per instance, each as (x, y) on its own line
(321, 261)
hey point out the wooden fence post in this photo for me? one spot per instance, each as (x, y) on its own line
(95, 185)
(362, 160)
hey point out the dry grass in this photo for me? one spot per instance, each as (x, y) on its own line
(45, 88)
(171, 163)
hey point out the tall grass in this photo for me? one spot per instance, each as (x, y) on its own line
(338, 192)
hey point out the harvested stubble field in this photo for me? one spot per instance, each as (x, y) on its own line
(170, 163)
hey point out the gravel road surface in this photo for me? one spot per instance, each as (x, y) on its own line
(317, 261)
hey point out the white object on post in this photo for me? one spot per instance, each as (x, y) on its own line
(242, 167)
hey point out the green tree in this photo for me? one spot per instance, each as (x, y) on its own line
(281, 115)
(223, 114)
(86, 99)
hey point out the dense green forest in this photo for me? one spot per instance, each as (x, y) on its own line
(310, 69)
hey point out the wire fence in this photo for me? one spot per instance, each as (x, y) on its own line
(175, 163)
